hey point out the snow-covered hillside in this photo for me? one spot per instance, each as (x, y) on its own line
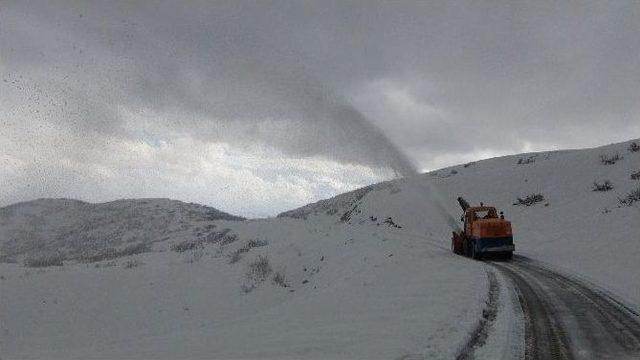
(70, 229)
(367, 274)
(592, 234)
(278, 288)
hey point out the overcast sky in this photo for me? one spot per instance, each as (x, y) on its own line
(260, 106)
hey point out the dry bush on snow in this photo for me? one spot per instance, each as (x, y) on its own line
(605, 186)
(279, 279)
(228, 239)
(632, 197)
(187, 245)
(235, 256)
(112, 253)
(44, 260)
(634, 147)
(217, 236)
(223, 237)
(256, 243)
(610, 159)
(259, 269)
(529, 160)
(530, 200)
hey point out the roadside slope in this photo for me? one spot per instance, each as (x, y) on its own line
(583, 232)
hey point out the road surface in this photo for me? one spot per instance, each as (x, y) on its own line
(567, 319)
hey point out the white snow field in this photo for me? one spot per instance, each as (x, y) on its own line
(364, 275)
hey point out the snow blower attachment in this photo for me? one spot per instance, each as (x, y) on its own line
(484, 233)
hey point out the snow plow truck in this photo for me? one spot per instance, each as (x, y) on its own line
(484, 233)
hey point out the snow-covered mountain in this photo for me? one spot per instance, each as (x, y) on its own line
(366, 274)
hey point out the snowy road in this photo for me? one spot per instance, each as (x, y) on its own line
(567, 319)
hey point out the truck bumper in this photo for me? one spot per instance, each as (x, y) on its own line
(494, 245)
(503, 248)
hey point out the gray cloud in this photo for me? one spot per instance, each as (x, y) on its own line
(445, 82)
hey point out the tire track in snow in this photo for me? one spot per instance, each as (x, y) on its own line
(480, 333)
(567, 319)
(544, 339)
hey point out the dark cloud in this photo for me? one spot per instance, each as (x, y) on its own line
(447, 80)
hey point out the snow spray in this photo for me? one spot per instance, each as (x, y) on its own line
(356, 123)
(322, 104)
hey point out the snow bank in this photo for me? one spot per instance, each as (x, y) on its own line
(348, 292)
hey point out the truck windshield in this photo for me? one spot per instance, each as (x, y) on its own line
(486, 214)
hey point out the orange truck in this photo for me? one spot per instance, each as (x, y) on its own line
(484, 233)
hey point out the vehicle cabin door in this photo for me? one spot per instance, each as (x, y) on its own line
(468, 220)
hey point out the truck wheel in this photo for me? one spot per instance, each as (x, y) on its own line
(508, 256)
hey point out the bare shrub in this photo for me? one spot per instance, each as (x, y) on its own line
(634, 147)
(235, 256)
(112, 253)
(530, 200)
(632, 197)
(528, 160)
(134, 249)
(259, 269)
(279, 279)
(228, 239)
(610, 159)
(605, 186)
(389, 221)
(186, 245)
(346, 217)
(216, 236)
(223, 237)
(256, 243)
(98, 255)
(635, 175)
(44, 260)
